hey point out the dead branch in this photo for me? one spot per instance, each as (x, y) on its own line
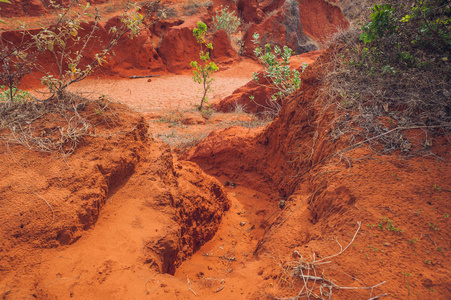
(312, 282)
(145, 76)
(53, 213)
(189, 285)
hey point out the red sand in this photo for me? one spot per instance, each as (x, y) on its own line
(127, 217)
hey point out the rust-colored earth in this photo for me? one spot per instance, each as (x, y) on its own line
(159, 201)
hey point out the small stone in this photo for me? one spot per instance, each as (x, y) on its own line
(233, 184)
(282, 204)
(386, 244)
(226, 183)
(149, 80)
(242, 224)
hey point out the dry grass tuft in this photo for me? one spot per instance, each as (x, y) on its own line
(191, 7)
(54, 127)
(315, 285)
(384, 101)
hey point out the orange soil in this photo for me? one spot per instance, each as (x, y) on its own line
(127, 217)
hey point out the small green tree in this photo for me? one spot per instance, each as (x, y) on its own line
(74, 33)
(13, 66)
(277, 70)
(203, 70)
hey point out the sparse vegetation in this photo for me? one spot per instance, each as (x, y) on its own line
(390, 69)
(327, 198)
(14, 95)
(412, 241)
(276, 69)
(433, 226)
(74, 31)
(191, 7)
(277, 74)
(226, 20)
(205, 68)
(388, 225)
(406, 275)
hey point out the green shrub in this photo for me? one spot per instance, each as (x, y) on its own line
(203, 70)
(277, 70)
(226, 20)
(396, 67)
(412, 33)
(14, 94)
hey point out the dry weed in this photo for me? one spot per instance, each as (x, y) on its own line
(314, 284)
(191, 7)
(383, 105)
(54, 127)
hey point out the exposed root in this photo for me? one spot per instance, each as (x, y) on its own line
(189, 286)
(53, 212)
(316, 285)
(156, 285)
(62, 135)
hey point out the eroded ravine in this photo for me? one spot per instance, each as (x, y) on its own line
(149, 225)
(211, 268)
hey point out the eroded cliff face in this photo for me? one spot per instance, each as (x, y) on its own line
(169, 45)
(336, 187)
(119, 216)
(154, 211)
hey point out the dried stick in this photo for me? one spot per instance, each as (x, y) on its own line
(145, 76)
(53, 213)
(326, 287)
(147, 286)
(189, 285)
(342, 250)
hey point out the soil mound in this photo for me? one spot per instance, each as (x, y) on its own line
(262, 90)
(396, 206)
(118, 175)
(179, 47)
(22, 8)
(321, 19)
(169, 45)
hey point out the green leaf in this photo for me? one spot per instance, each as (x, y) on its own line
(5, 1)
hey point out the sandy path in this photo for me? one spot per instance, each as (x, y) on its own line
(167, 92)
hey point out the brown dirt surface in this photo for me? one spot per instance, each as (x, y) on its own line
(49, 202)
(329, 187)
(167, 92)
(160, 201)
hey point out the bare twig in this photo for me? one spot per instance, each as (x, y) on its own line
(53, 213)
(189, 286)
(312, 282)
(145, 76)
(342, 250)
(147, 286)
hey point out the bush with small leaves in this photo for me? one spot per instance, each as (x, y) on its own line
(202, 70)
(276, 67)
(226, 20)
(76, 28)
(14, 94)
